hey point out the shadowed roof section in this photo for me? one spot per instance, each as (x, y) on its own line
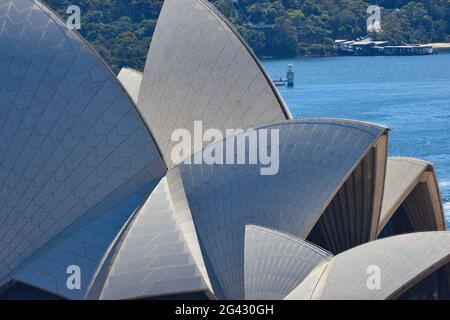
(403, 261)
(351, 218)
(84, 246)
(155, 257)
(411, 201)
(198, 68)
(131, 81)
(20, 291)
(275, 262)
(72, 143)
(316, 157)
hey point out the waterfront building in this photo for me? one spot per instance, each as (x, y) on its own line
(370, 47)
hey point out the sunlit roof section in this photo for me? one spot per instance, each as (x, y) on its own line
(225, 198)
(131, 80)
(199, 68)
(411, 201)
(384, 269)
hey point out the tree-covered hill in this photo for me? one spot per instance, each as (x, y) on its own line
(310, 26)
(121, 30)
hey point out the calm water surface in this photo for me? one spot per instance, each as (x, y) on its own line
(410, 95)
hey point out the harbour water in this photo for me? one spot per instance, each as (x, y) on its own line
(410, 95)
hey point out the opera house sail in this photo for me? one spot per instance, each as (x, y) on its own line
(88, 183)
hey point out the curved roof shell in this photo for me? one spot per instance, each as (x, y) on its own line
(351, 218)
(402, 261)
(155, 256)
(316, 157)
(275, 262)
(84, 245)
(72, 143)
(199, 68)
(131, 81)
(79, 167)
(411, 189)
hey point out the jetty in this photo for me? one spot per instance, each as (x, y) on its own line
(370, 47)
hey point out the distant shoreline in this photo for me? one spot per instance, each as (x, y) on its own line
(439, 45)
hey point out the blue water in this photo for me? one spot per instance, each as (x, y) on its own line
(410, 95)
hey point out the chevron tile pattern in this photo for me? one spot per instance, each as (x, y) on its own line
(316, 155)
(86, 176)
(85, 247)
(198, 69)
(154, 258)
(276, 263)
(70, 137)
(400, 259)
